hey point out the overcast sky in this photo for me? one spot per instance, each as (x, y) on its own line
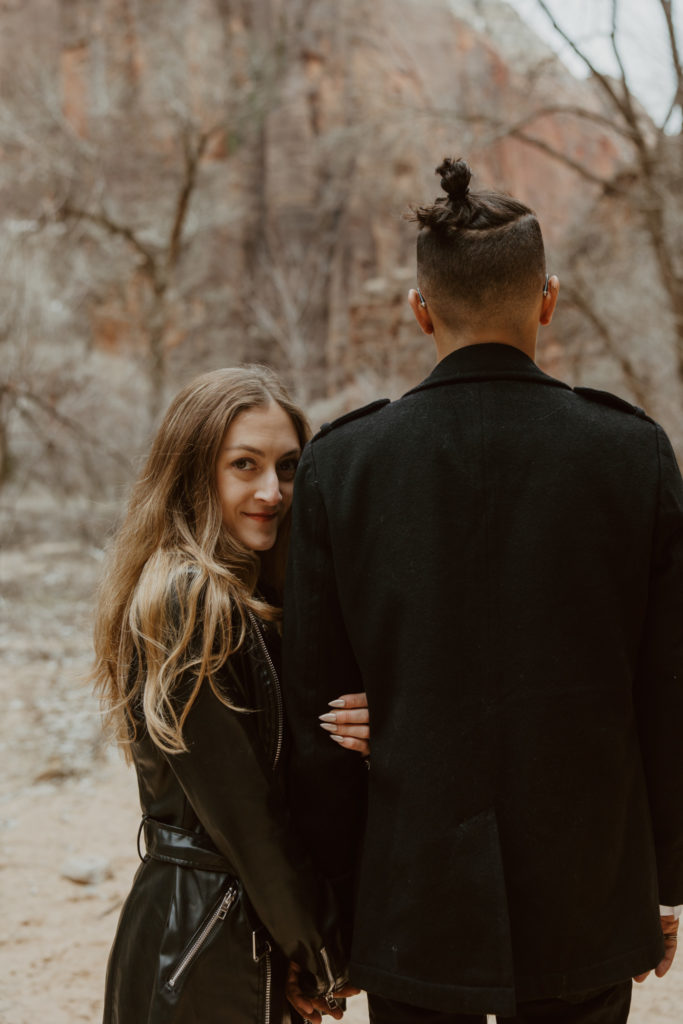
(642, 40)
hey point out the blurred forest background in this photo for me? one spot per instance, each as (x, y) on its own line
(187, 184)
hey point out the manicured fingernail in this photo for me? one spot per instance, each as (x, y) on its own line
(338, 703)
(329, 717)
(328, 727)
(337, 739)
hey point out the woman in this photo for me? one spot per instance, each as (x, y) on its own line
(186, 644)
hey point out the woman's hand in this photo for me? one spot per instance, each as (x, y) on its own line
(312, 1009)
(348, 723)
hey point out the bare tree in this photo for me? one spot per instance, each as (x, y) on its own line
(98, 206)
(652, 147)
(647, 182)
(156, 262)
(54, 427)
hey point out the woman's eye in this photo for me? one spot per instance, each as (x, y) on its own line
(242, 463)
(287, 468)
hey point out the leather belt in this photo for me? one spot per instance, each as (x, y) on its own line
(180, 846)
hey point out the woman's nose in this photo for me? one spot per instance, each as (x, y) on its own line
(269, 489)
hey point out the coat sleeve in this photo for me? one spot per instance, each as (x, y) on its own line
(236, 797)
(659, 685)
(327, 784)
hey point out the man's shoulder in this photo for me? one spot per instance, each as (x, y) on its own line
(351, 417)
(609, 400)
(367, 415)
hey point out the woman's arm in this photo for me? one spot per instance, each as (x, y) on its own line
(231, 789)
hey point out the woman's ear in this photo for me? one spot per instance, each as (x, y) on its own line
(420, 311)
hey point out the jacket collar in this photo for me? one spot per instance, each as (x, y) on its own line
(491, 361)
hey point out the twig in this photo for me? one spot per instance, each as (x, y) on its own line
(19, 392)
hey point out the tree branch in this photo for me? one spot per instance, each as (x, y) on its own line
(76, 429)
(603, 80)
(677, 101)
(101, 219)
(551, 110)
(193, 155)
(627, 95)
(624, 104)
(557, 154)
(615, 48)
(576, 298)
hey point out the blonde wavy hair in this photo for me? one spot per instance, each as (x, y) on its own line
(178, 588)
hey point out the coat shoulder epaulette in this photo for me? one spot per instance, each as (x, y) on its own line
(607, 398)
(355, 414)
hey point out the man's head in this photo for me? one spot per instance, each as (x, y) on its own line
(480, 263)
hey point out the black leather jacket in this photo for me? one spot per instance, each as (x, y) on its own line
(226, 893)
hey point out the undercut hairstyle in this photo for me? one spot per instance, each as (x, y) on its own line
(479, 254)
(178, 591)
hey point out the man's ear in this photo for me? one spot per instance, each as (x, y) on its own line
(420, 312)
(550, 301)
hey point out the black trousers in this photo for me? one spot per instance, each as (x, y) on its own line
(604, 1006)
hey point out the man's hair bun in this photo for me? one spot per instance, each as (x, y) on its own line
(455, 179)
(463, 210)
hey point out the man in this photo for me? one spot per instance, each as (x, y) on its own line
(497, 559)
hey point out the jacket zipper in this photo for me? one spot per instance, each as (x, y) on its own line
(278, 692)
(264, 956)
(193, 949)
(269, 985)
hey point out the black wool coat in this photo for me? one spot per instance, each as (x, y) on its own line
(497, 560)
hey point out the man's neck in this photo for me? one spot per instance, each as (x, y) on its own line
(447, 343)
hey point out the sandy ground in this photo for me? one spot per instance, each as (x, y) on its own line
(64, 795)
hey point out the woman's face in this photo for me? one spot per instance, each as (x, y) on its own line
(255, 474)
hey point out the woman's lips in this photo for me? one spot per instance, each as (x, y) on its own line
(261, 517)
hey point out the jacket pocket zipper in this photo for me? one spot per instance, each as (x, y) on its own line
(202, 935)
